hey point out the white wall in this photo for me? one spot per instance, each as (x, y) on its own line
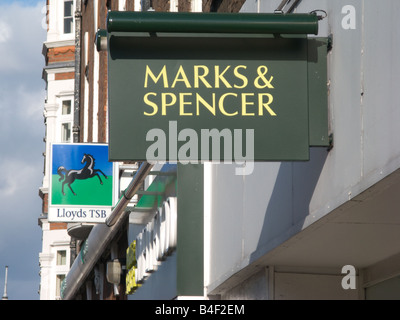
(56, 91)
(53, 240)
(253, 214)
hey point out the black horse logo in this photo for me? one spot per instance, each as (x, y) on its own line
(86, 172)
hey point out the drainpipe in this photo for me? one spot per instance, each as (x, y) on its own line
(77, 91)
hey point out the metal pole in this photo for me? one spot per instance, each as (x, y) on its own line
(101, 236)
(129, 192)
(281, 6)
(5, 297)
(77, 85)
(293, 6)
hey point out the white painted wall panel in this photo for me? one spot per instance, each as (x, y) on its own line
(381, 106)
(251, 215)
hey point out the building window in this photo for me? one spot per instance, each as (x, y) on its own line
(68, 16)
(61, 257)
(66, 107)
(121, 5)
(66, 132)
(66, 120)
(60, 278)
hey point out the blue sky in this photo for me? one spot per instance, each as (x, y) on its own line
(22, 96)
(25, 3)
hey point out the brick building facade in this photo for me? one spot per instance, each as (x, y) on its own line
(76, 77)
(58, 73)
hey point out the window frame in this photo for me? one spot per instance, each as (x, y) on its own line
(69, 17)
(65, 119)
(59, 280)
(61, 257)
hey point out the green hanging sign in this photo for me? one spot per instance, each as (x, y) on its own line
(199, 97)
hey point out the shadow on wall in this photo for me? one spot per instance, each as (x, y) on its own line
(290, 200)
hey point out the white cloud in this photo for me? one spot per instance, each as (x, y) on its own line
(30, 103)
(19, 31)
(22, 94)
(16, 177)
(5, 32)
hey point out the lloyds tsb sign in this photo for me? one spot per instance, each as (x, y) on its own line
(190, 96)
